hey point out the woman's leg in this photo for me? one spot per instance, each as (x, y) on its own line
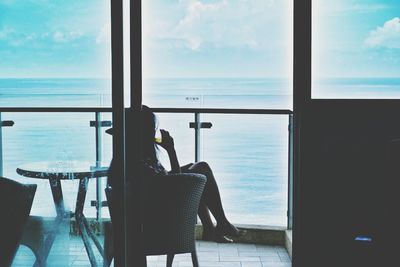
(212, 200)
(211, 195)
(208, 226)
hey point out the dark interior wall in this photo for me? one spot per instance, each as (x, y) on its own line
(349, 183)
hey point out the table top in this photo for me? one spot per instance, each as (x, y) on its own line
(63, 170)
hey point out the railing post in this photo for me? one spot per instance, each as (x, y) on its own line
(290, 174)
(3, 124)
(197, 138)
(99, 157)
(98, 124)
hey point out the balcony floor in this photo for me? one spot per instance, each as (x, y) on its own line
(71, 252)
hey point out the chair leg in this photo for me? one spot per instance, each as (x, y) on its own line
(194, 259)
(170, 259)
(108, 245)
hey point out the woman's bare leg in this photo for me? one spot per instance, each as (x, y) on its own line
(208, 226)
(212, 200)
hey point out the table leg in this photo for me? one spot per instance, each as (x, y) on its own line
(55, 185)
(56, 191)
(83, 226)
(80, 200)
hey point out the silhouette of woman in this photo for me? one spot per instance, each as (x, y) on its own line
(211, 199)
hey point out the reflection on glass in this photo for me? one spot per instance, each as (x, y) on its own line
(356, 49)
(228, 54)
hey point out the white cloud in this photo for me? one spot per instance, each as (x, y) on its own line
(223, 23)
(197, 9)
(5, 32)
(104, 35)
(62, 37)
(344, 8)
(386, 36)
(14, 38)
(12, 2)
(365, 8)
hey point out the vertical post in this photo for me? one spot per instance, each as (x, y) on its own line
(99, 156)
(290, 174)
(1, 146)
(118, 118)
(301, 98)
(197, 138)
(136, 256)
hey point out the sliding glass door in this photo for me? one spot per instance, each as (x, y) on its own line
(55, 102)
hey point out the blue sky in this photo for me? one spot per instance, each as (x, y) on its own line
(54, 38)
(200, 38)
(356, 38)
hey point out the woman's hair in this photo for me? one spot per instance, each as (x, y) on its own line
(148, 127)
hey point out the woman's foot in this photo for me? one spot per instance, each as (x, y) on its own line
(211, 235)
(227, 229)
(222, 239)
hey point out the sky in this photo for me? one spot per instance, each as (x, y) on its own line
(200, 38)
(54, 38)
(356, 38)
(217, 38)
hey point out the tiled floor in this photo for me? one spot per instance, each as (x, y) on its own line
(210, 255)
(229, 255)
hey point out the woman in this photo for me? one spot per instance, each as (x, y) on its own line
(211, 200)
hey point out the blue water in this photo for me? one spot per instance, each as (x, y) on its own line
(248, 153)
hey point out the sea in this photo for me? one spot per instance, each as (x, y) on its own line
(249, 153)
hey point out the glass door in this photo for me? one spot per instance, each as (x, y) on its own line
(55, 99)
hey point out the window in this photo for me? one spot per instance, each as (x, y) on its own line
(55, 54)
(356, 49)
(217, 53)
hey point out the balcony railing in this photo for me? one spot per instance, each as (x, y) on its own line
(249, 150)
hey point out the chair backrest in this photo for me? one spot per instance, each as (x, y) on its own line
(170, 205)
(15, 205)
(170, 210)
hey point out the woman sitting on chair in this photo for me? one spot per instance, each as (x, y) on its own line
(211, 199)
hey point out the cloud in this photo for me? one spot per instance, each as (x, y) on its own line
(14, 38)
(63, 37)
(344, 8)
(5, 32)
(366, 8)
(222, 23)
(13, 2)
(104, 35)
(197, 9)
(387, 36)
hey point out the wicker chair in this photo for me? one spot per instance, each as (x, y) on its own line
(15, 205)
(170, 210)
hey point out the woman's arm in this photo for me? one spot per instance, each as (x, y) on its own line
(168, 144)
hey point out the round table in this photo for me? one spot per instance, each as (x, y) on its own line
(55, 171)
(63, 170)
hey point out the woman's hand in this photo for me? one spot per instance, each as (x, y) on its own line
(167, 142)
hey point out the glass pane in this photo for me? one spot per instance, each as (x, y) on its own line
(55, 146)
(55, 53)
(178, 127)
(249, 157)
(356, 49)
(226, 54)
